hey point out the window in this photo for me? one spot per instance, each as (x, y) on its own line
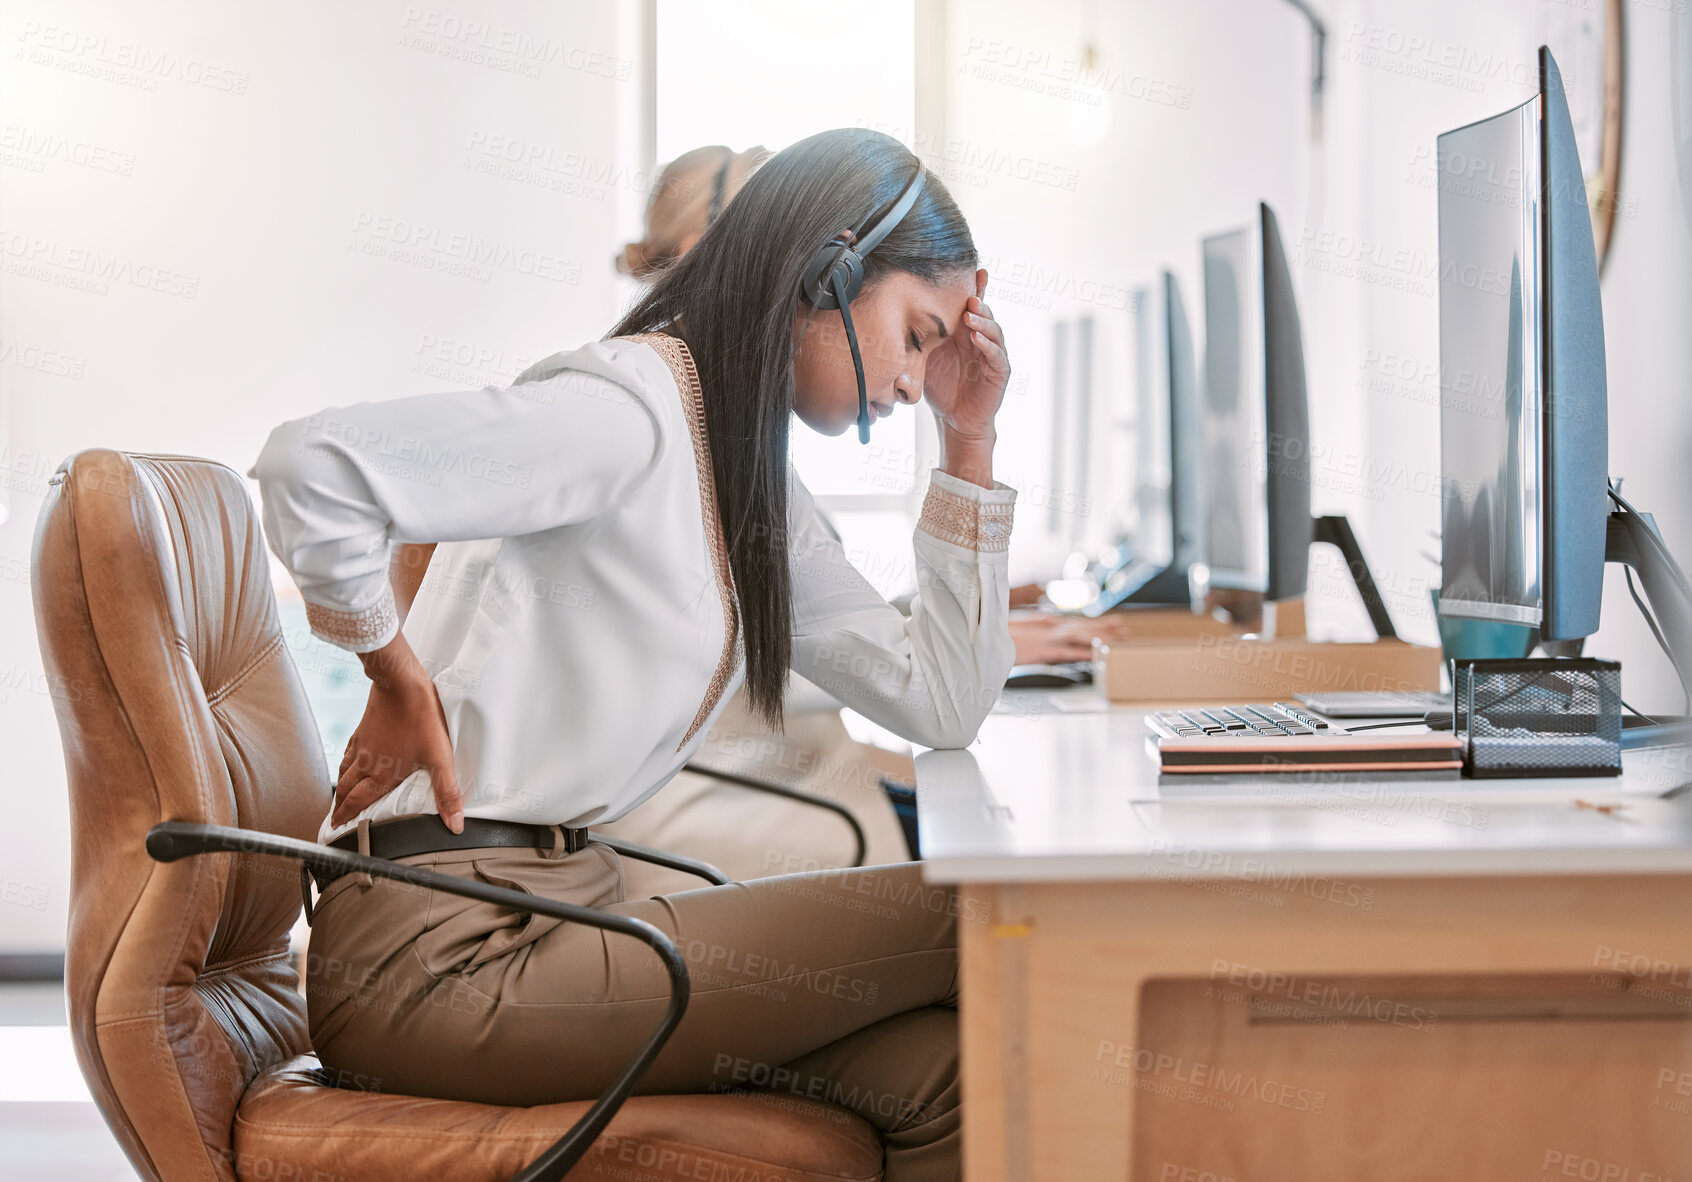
(771, 72)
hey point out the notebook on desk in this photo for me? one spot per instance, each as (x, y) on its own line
(1283, 739)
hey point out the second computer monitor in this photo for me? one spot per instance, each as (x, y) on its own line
(1256, 416)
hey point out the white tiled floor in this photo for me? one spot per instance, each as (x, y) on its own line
(49, 1130)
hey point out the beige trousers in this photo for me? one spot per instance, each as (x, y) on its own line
(838, 986)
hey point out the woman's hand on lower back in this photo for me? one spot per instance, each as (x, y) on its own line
(403, 729)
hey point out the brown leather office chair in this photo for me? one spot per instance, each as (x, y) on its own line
(177, 702)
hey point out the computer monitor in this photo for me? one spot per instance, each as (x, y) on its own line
(1157, 492)
(1168, 519)
(1256, 417)
(1524, 440)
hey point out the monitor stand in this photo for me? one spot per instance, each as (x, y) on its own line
(1633, 541)
(1641, 733)
(1335, 529)
(1167, 586)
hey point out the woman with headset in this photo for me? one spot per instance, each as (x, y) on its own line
(747, 834)
(691, 192)
(630, 506)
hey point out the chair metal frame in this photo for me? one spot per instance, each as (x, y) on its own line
(795, 794)
(171, 841)
(645, 853)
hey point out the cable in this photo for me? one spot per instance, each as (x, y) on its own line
(1446, 715)
(1648, 537)
(1640, 713)
(1671, 567)
(1651, 623)
(1534, 681)
(1650, 620)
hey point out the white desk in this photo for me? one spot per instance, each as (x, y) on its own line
(1166, 986)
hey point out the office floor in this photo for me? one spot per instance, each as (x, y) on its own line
(49, 1129)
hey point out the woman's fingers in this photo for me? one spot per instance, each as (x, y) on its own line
(987, 336)
(1077, 650)
(443, 772)
(1111, 629)
(360, 762)
(355, 765)
(449, 802)
(367, 765)
(992, 353)
(364, 794)
(372, 777)
(985, 325)
(404, 729)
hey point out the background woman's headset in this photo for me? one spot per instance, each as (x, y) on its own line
(835, 275)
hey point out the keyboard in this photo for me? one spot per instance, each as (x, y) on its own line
(1279, 719)
(1287, 738)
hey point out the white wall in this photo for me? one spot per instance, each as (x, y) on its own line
(1647, 312)
(242, 174)
(1355, 196)
(1081, 180)
(1401, 74)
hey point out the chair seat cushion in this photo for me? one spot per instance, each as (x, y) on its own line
(291, 1125)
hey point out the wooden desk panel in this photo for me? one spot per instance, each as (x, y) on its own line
(1091, 1050)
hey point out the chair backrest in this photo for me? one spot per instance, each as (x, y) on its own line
(176, 700)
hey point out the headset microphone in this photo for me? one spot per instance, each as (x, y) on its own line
(835, 275)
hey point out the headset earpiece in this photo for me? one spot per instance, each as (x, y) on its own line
(834, 258)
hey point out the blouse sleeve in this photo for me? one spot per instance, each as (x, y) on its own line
(341, 487)
(931, 677)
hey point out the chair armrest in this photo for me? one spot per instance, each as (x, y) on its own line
(645, 853)
(173, 840)
(803, 797)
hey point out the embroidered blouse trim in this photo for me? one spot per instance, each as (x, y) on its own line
(359, 629)
(675, 354)
(984, 527)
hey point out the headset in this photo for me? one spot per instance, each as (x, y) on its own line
(835, 275)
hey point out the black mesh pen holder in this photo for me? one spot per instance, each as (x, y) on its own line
(1538, 717)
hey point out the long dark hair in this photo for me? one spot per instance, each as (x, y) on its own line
(735, 295)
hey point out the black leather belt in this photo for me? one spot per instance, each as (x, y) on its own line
(429, 834)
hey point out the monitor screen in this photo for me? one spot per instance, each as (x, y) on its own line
(1235, 413)
(1153, 467)
(1490, 317)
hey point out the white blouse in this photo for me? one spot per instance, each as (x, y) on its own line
(578, 615)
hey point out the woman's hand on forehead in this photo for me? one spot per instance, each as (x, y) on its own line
(966, 380)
